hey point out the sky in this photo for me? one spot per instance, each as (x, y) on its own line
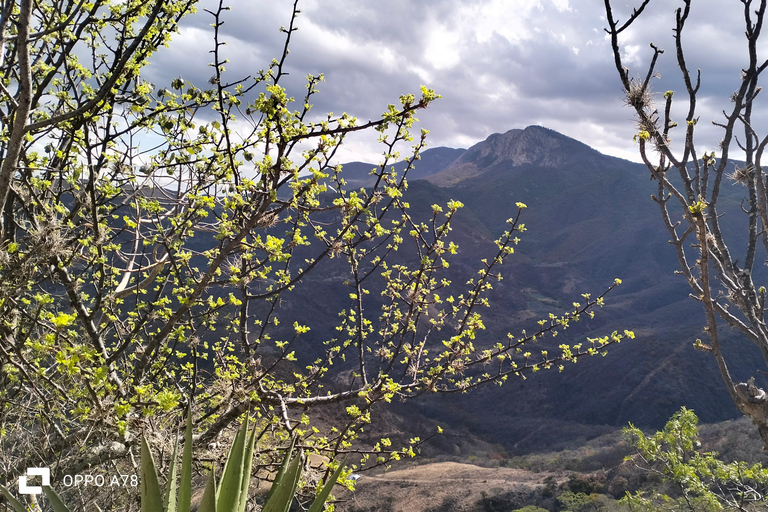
(498, 64)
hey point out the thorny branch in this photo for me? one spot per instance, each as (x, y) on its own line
(689, 202)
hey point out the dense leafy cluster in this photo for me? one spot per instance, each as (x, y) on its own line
(700, 480)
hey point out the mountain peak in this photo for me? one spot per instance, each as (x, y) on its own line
(534, 145)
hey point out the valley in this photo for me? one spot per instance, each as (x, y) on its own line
(591, 474)
(589, 220)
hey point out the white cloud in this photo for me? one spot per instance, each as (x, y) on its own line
(443, 48)
(562, 5)
(631, 55)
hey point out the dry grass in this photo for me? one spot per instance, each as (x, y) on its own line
(462, 487)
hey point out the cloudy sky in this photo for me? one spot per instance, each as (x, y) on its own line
(499, 64)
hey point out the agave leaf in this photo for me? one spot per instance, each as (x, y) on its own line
(228, 493)
(282, 491)
(208, 501)
(56, 503)
(283, 468)
(16, 504)
(322, 496)
(247, 465)
(170, 491)
(185, 485)
(151, 497)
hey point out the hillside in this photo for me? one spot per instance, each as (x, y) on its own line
(449, 486)
(432, 161)
(589, 221)
(493, 480)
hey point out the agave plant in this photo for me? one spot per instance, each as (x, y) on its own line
(229, 495)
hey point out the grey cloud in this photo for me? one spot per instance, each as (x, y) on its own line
(395, 22)
(497, 83)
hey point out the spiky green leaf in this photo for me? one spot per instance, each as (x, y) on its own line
(208, 501)
(16, 504)
(151, 497)
(170, 491)
(57, 504)
(283, 469)
(185, 485)
(322, 496)
(247, 465)
(228, 495)
(283, 491)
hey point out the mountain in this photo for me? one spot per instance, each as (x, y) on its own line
(534, 145)
(589, 220)
(433, 160)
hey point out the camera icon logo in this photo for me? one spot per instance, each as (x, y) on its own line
(45, 473)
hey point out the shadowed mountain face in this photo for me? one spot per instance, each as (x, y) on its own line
(358, 174)
(590, 219)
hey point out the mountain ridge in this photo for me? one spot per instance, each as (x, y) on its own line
(431, 161)
(589, 221)
(533, 145)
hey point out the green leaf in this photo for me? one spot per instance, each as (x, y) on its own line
(151, 497)
(283, 491)
(228, 495)
(185, 486)
(322, 496)
(16, 504)
(56, 503)
(282, 470)
(170, 491)
(247, 465)
(208, 501)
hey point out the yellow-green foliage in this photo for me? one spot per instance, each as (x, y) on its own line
(132, 279)
(701, 481)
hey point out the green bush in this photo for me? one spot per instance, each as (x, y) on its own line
(700, 480)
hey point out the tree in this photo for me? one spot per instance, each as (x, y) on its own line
(700, 480)
(690, 184)
(151, 234)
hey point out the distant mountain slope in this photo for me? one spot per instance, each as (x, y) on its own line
(433, 160)
(590, 220)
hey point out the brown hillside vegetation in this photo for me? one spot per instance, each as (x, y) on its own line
(445, 486)
(597, 468)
